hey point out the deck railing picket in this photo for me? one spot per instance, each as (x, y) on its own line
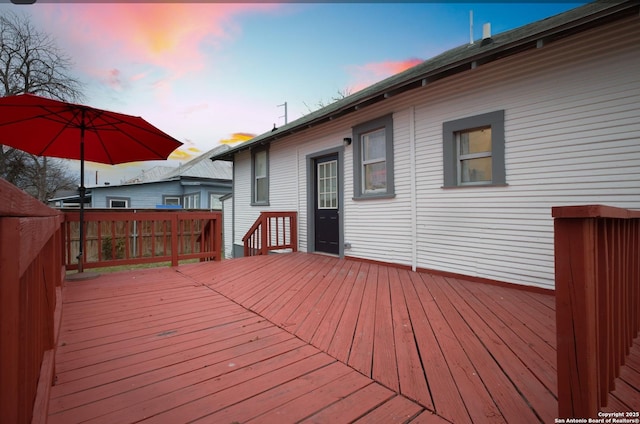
(134, 237)
(597, 300)
(269, 232)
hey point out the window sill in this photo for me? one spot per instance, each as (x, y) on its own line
(259, 203)
(473, 186)
(374, 196)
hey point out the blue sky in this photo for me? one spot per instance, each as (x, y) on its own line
(208, 72)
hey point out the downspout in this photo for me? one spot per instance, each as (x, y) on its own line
(233, 206)
(414, 199)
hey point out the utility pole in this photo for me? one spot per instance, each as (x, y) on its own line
(285, 112)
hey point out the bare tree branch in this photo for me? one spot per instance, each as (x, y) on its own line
(31, 62)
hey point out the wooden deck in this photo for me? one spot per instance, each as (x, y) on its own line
(301, 337)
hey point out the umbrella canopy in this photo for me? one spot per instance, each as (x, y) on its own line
(46, 127)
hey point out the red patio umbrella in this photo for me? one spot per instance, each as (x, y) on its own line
(47, 127)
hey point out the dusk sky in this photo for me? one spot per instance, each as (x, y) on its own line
(209, 72)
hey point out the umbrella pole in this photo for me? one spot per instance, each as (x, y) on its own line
(82, 193)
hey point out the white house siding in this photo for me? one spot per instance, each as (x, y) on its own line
(572, 136)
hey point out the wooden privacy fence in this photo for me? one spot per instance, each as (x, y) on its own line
(31, 272)
(597, 265)
(129, 237)
(272, 231)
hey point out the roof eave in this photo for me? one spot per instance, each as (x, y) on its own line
(549, 31)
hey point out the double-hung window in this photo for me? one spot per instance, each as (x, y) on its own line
(191, 201)
(473, 150)
(260, 176)
(373, 158)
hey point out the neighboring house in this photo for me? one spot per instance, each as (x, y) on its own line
(454, 164)
(198, 184)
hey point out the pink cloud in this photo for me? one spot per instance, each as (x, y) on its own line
(133, 37)
(370, 73)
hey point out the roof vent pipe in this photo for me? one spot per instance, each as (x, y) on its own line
(486, 34)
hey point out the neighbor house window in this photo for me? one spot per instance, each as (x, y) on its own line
(172, 200)
(214, 201)
(473, 150)
(191, 201)
(115, 202)
(373, 158)
(260, 174)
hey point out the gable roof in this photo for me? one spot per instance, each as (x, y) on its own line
(454, 61)
(199, 167)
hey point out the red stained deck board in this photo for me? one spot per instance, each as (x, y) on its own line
(477, 400)
(146, 345)
(180, 316)
(511, 340)
(325, 298)
(445, 395)
(244, 385)
(412, 380)
(442, 341)
(498, 305)
(292, 282)
(175, 392)
(511, 356)
(340, 345)
(540, 320)
(501, 389)
(282, 312)
(279, 395)
(354, 406)
(303, 303)
(270, 291)
(361, 355)
(326, 328)
(385, 369)
(185, 361)
(311, 402)
(104, 352)
(397, 410)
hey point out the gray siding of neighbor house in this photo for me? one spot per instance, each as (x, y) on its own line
(150, 195)
(142, 196)
(572, 136)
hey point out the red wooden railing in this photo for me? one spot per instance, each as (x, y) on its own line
(597, 266)
(272, 231)
(135, 237)
(31, 272)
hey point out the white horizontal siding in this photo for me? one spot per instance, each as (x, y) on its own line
(572, 131)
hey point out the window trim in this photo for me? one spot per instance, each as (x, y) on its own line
(386, 123)
(126, 200)
(254, 152)
(176, 197)
(450, 157)
(195, 196)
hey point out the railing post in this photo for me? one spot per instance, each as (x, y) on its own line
(293, 231)
(174, 239)
(264, 234)
(217, 238)
(575, 297)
